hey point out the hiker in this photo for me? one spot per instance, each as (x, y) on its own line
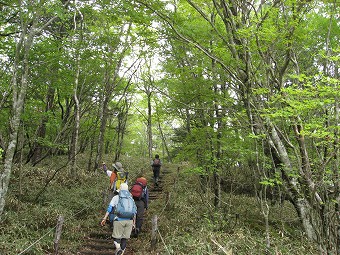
(140, 194)
(125, 211)
(117, 176)
(156, 164)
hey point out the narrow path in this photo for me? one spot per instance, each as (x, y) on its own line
(99, 241)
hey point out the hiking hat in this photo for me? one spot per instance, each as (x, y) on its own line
(124, 186)
(117, 165)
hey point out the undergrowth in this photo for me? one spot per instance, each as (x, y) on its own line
(188, 221)
(35, 201)
(190, 224)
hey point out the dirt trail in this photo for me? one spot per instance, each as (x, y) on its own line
(99, 241)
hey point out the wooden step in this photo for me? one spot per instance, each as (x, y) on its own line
(92, 252)
(96, 240)
(101, 235)
(99, 246)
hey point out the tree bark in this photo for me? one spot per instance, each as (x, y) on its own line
(20, 75)
(149, 122)
(37, 148)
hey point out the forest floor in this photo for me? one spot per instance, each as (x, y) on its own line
(188, 223)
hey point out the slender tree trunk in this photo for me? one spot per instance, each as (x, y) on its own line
(164, 142)
(75, 134)
(121, 128)
(149, 123)
(37, 148)
(336, 178)
(103, 120)
(29, 29)
(20, 74)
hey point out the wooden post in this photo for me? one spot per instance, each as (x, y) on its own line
(58, 234)
(154, 233)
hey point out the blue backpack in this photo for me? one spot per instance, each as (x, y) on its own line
(126, 207)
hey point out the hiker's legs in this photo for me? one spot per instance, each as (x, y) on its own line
(127, 228)
(140, 214)
(123, 243)
(118, 230)
(156, 176)
(117, 243)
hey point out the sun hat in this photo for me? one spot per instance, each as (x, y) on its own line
(117, 165)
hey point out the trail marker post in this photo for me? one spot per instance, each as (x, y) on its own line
(58, 233)
(154, 232)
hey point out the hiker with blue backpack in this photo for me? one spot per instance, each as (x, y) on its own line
(156, 164)
(140, 194)
(125, 214)
(117, 177)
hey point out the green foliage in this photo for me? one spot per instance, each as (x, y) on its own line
(270, 182)
(191, 225)
(195, 170)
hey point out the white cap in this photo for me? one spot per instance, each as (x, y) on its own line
(124, 186)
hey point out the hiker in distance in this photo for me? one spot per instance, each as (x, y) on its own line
(125, 213)
(140, 194)
(156, 164)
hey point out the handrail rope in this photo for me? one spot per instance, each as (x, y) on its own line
(35, 242)
(163, 241)
(166, 202)
(164, 207)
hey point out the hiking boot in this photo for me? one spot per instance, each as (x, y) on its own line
(119, 252)
(135, 233)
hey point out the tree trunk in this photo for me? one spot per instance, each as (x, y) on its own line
(103, 120)
(149, 123)
(75, 133)
(37, 148)
(121, 128)
(20, 74)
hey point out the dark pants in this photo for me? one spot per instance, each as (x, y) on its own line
(140, 214)
(156, 171)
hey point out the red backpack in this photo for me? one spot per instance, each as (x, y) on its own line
(156, 162)
(137, 189)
